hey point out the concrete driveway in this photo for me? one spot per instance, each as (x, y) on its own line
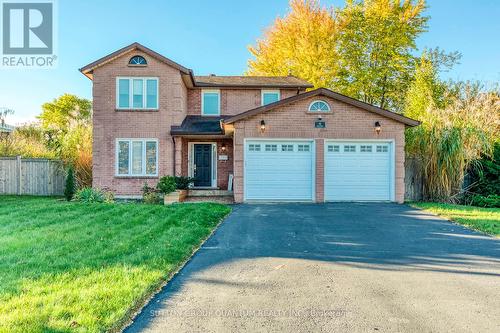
(350, 267)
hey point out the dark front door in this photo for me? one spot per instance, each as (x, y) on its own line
(202, 165)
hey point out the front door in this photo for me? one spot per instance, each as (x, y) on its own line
(202, 166)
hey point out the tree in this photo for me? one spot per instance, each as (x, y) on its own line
(67, 126)
(4, 112)
(376, 46)
(65, 113)
(303, 44)
(70, 188)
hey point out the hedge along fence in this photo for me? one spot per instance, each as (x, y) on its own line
(32, 176)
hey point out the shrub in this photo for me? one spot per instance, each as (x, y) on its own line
(91, 195)
(183, 183)
(490, 201)
(70, 187)
(166, 184)
(150, 195)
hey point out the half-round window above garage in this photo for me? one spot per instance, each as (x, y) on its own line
(137, 61)
(319, 106)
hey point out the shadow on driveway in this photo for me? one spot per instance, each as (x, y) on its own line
(333, 245)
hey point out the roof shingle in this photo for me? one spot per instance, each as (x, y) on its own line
(251, 81)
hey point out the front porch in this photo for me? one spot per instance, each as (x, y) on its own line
(204, 153)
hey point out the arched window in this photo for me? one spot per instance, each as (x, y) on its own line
(137, 60)
(319, 106)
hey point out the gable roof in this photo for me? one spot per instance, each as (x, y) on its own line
(251, 81)
(327, 93)
(88, 69)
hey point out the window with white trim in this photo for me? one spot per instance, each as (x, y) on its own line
(137, 93)
(333, 149)
(365, 149)
(382, 149)
(286, 147)
(303, 147)
(136, 157)
(271, 148)
(349, 149)
(319, 106)
(253, 147)
(210, 102)
(270, 96)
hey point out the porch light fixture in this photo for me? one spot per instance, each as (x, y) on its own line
(262, 125)
(223, 147)
(378, 128)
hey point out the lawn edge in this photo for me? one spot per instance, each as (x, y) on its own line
(128, 319)
(454, 222)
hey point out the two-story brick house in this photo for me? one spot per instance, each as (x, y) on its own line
(265, 138)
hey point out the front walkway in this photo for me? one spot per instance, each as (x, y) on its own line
(333, 267)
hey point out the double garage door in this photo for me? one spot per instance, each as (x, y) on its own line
(285, 170)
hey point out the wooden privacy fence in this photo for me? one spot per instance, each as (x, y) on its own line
(414, 181)
(32, 176)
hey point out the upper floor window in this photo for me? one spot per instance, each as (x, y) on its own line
(210, 102)
(137, 93)
(319, 106)
(270, 96)
(137, 61)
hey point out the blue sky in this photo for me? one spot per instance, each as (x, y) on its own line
(212, 37)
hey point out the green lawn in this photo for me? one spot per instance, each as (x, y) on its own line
(68, 267)
(482, 219)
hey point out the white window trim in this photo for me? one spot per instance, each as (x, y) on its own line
(130, 174)
(203, 91)
(131, 95)
(322, 101)
(274, 91)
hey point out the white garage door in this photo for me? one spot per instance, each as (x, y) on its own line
(279, 170)
(358, 171)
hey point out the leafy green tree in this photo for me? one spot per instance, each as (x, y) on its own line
(303, 44)
(66, 112)
(377, 40)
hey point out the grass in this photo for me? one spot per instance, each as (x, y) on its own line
(72, 267)
(482, 219)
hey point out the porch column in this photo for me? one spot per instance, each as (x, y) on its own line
(178, 156)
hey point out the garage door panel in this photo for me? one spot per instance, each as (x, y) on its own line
(284, 173)
(360, 171)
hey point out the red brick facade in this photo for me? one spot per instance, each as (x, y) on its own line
(293, 122)
(177, 100)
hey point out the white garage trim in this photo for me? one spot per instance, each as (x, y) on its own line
(392, 164)
(264, 140)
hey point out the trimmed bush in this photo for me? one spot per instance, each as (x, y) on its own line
(70, 187)
(167, 184)
(183, 183)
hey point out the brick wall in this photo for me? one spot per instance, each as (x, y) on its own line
(344, 122)
(109, 124)
(233, 101)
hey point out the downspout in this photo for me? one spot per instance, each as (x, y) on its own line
(173, 148)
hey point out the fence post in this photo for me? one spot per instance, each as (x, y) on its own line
(19, 175)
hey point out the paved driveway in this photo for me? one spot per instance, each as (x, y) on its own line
(333, 268)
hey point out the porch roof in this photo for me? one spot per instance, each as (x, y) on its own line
(199, 125)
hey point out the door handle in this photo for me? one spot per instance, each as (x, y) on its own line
(194, 169)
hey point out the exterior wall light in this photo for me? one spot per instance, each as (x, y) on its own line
(223, 147)
(378, 128)
(262, 126)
